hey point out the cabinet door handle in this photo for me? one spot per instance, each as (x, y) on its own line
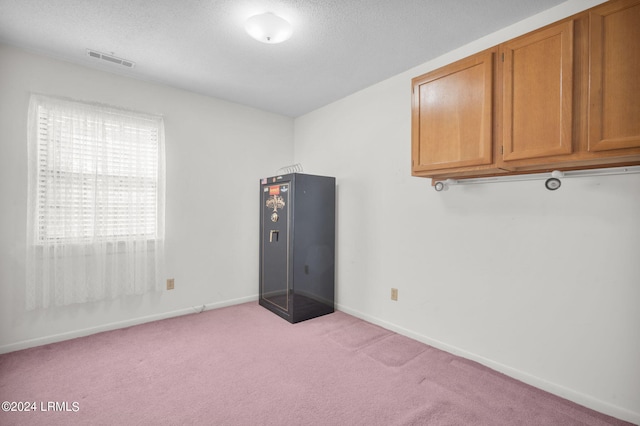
(272, 233)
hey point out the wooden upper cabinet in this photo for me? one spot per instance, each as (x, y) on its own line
(452, 117)
(537, 96)
(562, 97)
(614, 89)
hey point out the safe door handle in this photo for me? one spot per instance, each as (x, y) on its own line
(272, 233)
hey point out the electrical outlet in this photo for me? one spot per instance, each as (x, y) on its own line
(170, 283)
(394, 294)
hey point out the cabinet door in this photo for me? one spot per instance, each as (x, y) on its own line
(275, 254)
(538, 94)
(614, 89)
(452, 116)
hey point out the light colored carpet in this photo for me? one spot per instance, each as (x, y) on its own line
(243, 365)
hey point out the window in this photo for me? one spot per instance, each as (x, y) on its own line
(96, 202)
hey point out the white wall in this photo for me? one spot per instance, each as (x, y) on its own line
(216, 152)
(542, 285)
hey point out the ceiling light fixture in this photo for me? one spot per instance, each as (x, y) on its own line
(268, 28)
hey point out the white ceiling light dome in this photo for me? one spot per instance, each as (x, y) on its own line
(269, 28)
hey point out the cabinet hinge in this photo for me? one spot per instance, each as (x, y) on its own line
(502, 149)
(502, 56)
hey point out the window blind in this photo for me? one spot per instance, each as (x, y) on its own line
(97, 177)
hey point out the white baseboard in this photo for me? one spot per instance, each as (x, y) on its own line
(25, 344)
(553, 388)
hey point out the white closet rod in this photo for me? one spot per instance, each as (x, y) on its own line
(442, 185)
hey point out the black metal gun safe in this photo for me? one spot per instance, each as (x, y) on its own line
(297, 245)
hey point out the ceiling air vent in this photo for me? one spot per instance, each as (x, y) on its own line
(111, 58)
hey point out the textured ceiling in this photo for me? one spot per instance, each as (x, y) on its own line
(338, 46)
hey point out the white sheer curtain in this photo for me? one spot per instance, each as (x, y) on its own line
(95, 218)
